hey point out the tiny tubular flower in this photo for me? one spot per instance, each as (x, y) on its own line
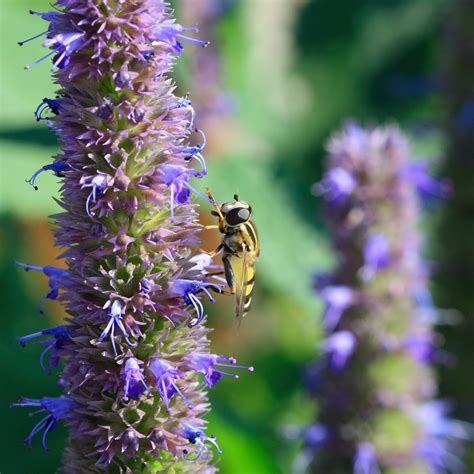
(336, 186)
(58, 336)
(172, 33)
(58, 167)
(134, 380)
(376, 255)
(97, 184)
(189, 288)
(58, 277)
(195, 152)
(165, 381)
(56, 408)
(177, 178)
(365, 460)
(339, 346)
(53, 105)
(337, 300)
(115, 320)
(197, 437)
(210, 365)
(185, 103)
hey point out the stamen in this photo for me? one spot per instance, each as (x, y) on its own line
(29, 66)
(21, 43)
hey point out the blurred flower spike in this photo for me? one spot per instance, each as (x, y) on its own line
(135, 346)
(375, 384)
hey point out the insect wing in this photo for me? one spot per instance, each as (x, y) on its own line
(244, 275)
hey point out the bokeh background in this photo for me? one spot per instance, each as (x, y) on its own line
(278, 78)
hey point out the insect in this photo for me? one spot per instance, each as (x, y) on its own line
(240, 249)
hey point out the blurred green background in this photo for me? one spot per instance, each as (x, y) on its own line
(277, 79)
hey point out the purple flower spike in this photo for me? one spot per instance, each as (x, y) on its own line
(339, 347)
(58, 167)
(379, 317)
(197, 437)
(210, 365)
(59, 335)
(56, 408)
(365, 461)
(58, 277)
(115, 321)
(165, 381)
(129, 234)
(134, 381)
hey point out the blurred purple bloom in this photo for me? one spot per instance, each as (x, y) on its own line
(365, 461)
(429, 188)
(376, 255)
(443, 437)
(56, 408)
(338, 347)
(210, 365)
(337, 300)
(336, 186)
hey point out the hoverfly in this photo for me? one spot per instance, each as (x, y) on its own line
(240, 249)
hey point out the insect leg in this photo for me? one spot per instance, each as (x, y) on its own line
(229, 274)
(217, 251)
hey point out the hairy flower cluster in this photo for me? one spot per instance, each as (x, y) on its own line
(135, 351)
(374, 382)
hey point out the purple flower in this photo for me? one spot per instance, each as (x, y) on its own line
(53, 105)
(165, 381)
(337, 300)
(210, 365)
(134, 381)
(59, 335)
(58, 277)
(188, 289)
(177, 178)
(376, 255)
(58, 167)
(115, 321)
(443, 437)
(56, 408)
(339, 347)
(430, 189)
(197, 437)
(98, 184)
(195, 152)
(171, 33)
(336, 186)
(365, 460)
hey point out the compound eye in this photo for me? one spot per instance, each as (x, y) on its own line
(237, 216)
